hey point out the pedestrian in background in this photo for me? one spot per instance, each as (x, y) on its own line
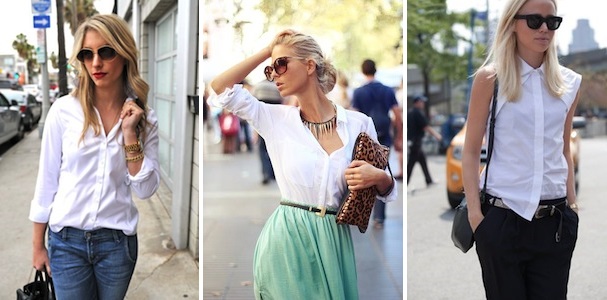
(99, 145)
(417, 127)
(341, 94)
(526, 225)
(245, 132)
(302, 253)
(266, 92)
(377, 101)
(398, 131)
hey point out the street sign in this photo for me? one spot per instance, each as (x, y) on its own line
(41, 7)
(42, 21)
(40, 55)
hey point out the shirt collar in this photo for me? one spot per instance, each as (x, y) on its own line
(526, 69)
(341, 114)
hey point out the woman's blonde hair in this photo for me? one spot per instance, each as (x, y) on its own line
(504, 58)
(305, 46)
(115, 31)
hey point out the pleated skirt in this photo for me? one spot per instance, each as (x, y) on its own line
(300, 255)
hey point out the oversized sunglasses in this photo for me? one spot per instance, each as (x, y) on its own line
(535, 21)
(279, 66)
(105, 53)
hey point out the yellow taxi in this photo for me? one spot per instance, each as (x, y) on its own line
(455, 185)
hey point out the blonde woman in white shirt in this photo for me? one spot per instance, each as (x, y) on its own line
(526, 227)
(302, 253)
(99, 145)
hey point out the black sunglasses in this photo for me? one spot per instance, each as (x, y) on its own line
(279, 66)
(535, 21)
(105, 53)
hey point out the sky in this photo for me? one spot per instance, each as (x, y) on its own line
(19, 19)
(570, 10)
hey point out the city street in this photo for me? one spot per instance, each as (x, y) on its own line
(236, 206)
(438, 270)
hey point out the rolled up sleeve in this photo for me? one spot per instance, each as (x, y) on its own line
(145, 183)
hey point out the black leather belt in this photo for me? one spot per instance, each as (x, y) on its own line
(546, 208)
(320, 210)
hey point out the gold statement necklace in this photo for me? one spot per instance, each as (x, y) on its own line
(322, 128)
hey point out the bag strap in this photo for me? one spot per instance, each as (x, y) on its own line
(491, 136)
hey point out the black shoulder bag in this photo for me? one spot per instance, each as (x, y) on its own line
(461, 231)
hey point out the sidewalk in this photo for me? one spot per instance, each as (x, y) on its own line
(161, 272)
(237, 205)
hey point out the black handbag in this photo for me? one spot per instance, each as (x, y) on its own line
(40, 289)
(461, 231)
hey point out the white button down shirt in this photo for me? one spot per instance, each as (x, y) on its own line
(86, 185)
(304, 172)
(528, 164)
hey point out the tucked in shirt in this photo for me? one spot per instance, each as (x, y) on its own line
(528, 164)
(86, 184)
(305, 172)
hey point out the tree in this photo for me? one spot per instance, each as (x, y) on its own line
(27, 52)
(53, 59)
(358, 29)
(432, 42)
(77, 11)
(62, 60)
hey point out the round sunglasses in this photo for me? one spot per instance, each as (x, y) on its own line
(535, 21)
(279, 66)
(105, 53)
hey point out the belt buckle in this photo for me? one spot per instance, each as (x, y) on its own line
(322, 212)
(543, 208)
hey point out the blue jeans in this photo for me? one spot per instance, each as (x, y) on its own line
(94, 264)
(379, 211)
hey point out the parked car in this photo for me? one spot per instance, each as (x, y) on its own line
(455, 185)
(30, 108)
(11, 126)
(10, 84)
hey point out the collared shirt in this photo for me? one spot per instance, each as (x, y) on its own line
(86, 184)
(528, 164)
(304, 172)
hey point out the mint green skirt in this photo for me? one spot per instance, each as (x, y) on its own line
(300, 255)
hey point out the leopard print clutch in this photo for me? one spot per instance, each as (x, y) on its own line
(356, 206)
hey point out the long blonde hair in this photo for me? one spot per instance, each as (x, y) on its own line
(115, 31)
(504, 58)
(305, 46)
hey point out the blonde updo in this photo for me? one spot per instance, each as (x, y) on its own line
(306, 46)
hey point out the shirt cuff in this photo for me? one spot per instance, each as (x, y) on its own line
(38, 213)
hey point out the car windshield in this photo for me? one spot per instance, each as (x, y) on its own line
(13, 95)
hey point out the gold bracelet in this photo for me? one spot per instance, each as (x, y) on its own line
(136, 158)
(133, 148)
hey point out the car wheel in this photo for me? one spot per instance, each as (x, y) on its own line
(21, 133)
(29, 123)
(454, 200)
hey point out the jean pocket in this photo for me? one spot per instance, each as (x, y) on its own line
(131, 247)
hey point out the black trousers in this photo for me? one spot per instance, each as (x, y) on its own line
(417, 155)
(521, 259)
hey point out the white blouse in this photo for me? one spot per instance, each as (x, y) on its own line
(528, 164)
(86, 185)
(304, 172)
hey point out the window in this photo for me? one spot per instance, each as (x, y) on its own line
(165, 89)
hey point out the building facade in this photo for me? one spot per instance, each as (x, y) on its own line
(166, 32)
(582, 38)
